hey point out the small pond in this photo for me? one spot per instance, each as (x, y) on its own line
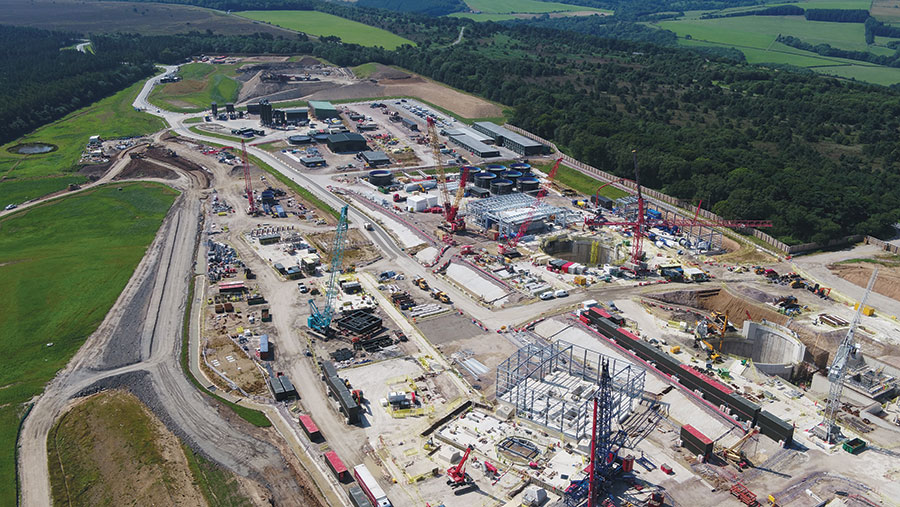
(32, 148)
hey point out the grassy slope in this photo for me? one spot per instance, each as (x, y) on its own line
(218, 487)
(201, 84)
(24, 176)
(50, 256)
(581, 182)
(323, 24)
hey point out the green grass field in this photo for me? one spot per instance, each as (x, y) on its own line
(365, 70)
(322, 24)
(52, 257)
(523, 6)
(24, 177)
(484, 16)
(581, 182)
(201, 84)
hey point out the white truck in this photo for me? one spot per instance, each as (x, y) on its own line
(371, 488)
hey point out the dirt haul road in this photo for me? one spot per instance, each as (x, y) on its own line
(154, 373)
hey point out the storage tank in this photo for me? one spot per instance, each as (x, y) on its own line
(483, 180)
(495, 168)
(380, 178)
(502, 186)
(528, 184)
(521, 167)
(299, 139)
(321, 138)
(470, 176)
(510, 175)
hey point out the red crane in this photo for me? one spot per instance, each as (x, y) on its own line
(453, 222)
(248, 186)
(456, 474)
(512, 242)
(641, 223)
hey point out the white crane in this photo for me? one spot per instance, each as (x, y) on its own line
(838, 369)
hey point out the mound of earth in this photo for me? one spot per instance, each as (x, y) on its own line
(887, 284)
(142, 168)
(385, 72)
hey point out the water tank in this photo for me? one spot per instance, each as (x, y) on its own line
(495, 168)
(299, 139)
(321, 138)
(483, 180)
(511, 175)
(502, 186)
(528, 184)
(380, 178)
(470, 177)
(522, 167)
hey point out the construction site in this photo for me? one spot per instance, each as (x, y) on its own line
(449, 325)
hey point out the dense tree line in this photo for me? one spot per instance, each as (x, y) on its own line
(609, 27)
(643, 10)
(838, 15)
(429, 7)
(878, 28)
(828, 50)
(778, 10)
(41, 83)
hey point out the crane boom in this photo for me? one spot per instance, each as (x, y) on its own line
(248, 186)
(321, 320)
(439, 166)
(460, 192)
(537, 203)
(838, 369)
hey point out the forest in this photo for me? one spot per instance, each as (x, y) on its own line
(41, 83)
(817, 155)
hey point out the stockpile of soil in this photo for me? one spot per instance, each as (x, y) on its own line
(143, 168)
(887, 284)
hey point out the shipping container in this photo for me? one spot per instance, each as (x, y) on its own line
(337, 466)
(358, 497)
(775, 428)
(310, 428)
(695, 442)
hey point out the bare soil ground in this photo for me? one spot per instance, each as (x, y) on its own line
(142, 168)
(887, 284)
(742, 254)
(109, 449)
(144, 18)
(358, 250)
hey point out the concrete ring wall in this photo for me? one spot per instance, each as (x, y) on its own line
(774, 349)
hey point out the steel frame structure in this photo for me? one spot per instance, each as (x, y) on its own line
(554, 386)
(510, 211)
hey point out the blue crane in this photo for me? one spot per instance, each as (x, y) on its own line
(321, 320)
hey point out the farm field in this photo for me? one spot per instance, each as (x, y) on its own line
(322, 24)
(886, 10)
(484, 16)
(86, 255)
(581, 182)
(24, 177)
(144, 18)
(201, 84)
(523, 6)
(879, 75)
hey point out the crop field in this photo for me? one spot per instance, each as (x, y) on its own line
(201, 84)
(50, 256)
(886, 10)
(523, 6)
(484, 16)
(322, 24)
(24, 177)
(145, 18)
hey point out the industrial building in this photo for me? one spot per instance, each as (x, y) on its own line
(465, 131)
(554, 386)
(474, 146)
(299, 114)
(338, 390)
(375, 158)
(266, 116)
(410, 124)
(509, 139)
(508, 212)
(313, 162)
(347, 143)
(322, 110)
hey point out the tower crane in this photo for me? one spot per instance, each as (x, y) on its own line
(453, 223)
(513, 241)
(838, 370)
(320, 320)
(641, 222)
(248, 186)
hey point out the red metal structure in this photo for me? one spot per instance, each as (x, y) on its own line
(248, 186)
(540, 197)
(456, 475)
(450, 208)
(641, 222)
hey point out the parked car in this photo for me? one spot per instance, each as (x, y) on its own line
(302, 288)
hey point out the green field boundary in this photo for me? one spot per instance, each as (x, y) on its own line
(199, 131)
(252, 416)
(304, 193)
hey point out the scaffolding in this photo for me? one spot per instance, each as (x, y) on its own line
(509, 212)
(698, 237)
(554, 386)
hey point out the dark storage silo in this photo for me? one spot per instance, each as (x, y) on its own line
(528, 184)
(521, 167)
(510, 175)
(380, 178)
(495, 168)
(502, 186)
(484, 180)
(470, 176)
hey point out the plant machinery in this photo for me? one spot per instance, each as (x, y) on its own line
(735, 455)
(838, 370)
(456, 474)
(248, 186)
(320, 321)
(641, 223)
(452, 221)
(513, 241)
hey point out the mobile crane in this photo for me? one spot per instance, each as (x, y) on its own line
(456, 474)
(452, 222)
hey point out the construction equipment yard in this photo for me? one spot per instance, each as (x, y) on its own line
(461, 330)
